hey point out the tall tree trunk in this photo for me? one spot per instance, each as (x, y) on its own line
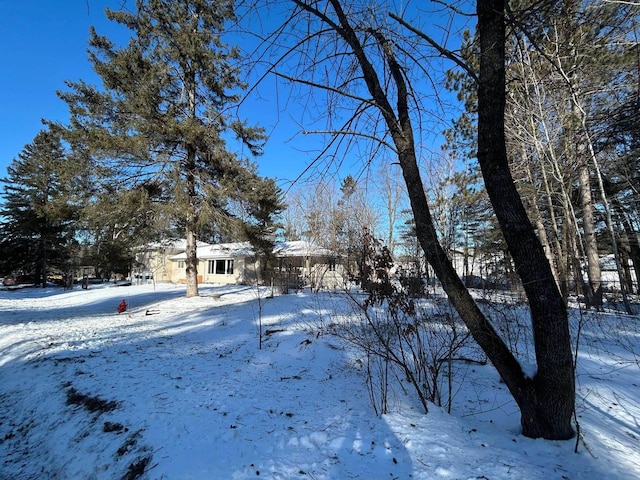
(547, 401)
(542, 232)
(559, 235)
(191, 263)
(586, 152)
(631, 237)
(43, 264)
(634, 255)
(575, 256)
(593, 288)
(559, 232)
(608, 220)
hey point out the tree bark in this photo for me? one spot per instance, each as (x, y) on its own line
(593, 288)
(42, 278)
(191, 219)
(630, 239)
(191, 263)
(547, 401)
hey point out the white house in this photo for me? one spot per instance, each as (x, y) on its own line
(152, 261)
(299, 263)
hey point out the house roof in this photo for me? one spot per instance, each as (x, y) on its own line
(298, 248)
(220, 250)
(179, 244)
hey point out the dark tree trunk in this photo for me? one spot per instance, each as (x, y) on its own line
(191, 264)
(629, 239)
(547, 402)
(593, 287)
(634, 254)
(42, 277)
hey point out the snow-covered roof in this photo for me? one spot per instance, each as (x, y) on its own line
(179, 244)
(220, 250)
(299, 248)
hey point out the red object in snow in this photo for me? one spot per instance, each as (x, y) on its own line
(122, 307)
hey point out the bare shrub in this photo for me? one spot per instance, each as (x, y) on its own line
(402, 339)
(511, 319)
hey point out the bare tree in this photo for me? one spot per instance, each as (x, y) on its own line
(332, 216)
(547, 399)
(391, 193)
(354, 56)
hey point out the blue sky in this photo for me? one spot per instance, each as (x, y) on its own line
(44, 43)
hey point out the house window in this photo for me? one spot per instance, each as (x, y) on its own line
(220, 267)
(180, 263)
(332, 265)
(220, 264)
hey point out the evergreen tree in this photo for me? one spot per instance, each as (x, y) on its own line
(38, 219)
(163, 117)
(259, 227)
(117, 220)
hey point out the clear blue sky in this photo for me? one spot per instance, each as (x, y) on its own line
(44, 43)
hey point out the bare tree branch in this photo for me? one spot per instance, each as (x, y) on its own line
(443, 51)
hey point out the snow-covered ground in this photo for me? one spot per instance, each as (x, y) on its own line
(178, 388)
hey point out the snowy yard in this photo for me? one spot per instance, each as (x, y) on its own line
(178, 388)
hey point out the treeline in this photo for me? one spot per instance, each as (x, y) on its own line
(572, 122)
(144, 158)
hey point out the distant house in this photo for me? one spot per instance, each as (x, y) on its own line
(228, 263)
(302, 263)
(152, 261)
(296, 264)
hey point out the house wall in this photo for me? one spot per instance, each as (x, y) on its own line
(157, 263)
(323, 277)
(251, 271)
(176, 271)
(315, 272)
(237, 277)
(244, 272)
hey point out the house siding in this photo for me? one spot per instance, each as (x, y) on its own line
(236, 277)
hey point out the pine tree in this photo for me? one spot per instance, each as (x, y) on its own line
(264, 201)
(38, 218)
(117, 220)
(162, 114)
